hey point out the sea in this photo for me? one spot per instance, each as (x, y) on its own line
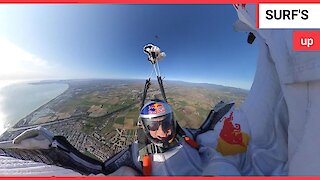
(20, 98)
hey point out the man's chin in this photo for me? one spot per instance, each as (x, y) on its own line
(162, 139)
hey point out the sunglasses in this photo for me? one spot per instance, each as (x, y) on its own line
(153, 125)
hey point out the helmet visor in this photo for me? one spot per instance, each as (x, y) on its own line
(153, 124)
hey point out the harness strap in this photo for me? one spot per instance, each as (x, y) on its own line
(188, 140)
(147, 165)
(147, 158)
(191, 142)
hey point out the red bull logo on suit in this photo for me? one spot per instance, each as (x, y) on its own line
(231, 139)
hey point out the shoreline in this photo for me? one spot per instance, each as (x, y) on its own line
(37, 107)
(24, 119)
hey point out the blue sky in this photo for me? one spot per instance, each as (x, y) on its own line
(106, 41)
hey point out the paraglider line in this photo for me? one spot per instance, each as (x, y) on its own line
(151, 73)
(158, 68)
(154, 67)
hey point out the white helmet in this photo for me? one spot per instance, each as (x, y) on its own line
(156, 113)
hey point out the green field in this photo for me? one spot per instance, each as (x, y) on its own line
(119, 120)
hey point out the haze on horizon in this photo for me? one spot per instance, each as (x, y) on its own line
(106, 41)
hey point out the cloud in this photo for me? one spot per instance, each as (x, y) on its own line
(17, 63)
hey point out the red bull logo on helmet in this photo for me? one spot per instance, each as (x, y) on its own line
(156, 108)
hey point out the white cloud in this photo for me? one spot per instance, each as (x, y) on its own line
(17, 63)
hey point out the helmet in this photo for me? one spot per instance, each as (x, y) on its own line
(156, 113)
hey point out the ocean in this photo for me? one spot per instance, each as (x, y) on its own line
(18, 99)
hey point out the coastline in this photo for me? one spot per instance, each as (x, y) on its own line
(11, 123)
(23, 120)
(3, 84)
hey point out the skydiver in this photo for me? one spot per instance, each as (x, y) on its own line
(168, 149)
(176, 153)
(163, 147)
(171, 150)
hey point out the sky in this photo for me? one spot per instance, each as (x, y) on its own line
(106, 41)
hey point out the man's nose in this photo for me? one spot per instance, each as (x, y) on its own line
(161, 133)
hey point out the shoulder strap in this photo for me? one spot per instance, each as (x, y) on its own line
(191, 142)
(188, 140)
(145, 91)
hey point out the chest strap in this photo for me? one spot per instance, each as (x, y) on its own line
(147, 165)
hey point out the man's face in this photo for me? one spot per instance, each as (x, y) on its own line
(160, 128)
